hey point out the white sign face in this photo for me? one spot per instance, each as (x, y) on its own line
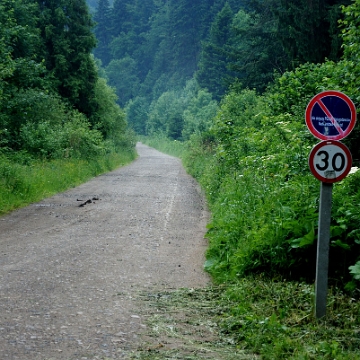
(330, 161)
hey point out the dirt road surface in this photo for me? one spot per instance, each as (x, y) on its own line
(71, 264)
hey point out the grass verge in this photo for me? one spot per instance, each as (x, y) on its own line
(253, 319)
(26, 181)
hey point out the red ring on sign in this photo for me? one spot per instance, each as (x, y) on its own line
(310, 108)
(314, 152)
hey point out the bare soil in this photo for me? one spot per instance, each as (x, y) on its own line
(72, 266)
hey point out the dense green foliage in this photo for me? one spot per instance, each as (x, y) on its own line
(251, 159)
(265, 201)
(148, 48)
(53, 104)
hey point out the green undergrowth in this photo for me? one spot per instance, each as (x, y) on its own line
(24, 180)
(253, 319)
(264, 222)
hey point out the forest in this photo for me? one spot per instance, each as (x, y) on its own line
(230, 81)
(159, 54)
(225, 85)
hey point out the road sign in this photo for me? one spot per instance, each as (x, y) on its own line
(330, 161)
(330, 115)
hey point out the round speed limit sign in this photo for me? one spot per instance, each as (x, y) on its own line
(330, 161)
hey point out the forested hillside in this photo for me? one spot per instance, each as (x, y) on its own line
(231, 80)
(151, 49)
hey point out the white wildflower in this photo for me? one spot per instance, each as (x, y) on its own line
(353, 170)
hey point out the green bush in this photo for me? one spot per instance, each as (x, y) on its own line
(263, 198)
(73, 138)
(199, 114)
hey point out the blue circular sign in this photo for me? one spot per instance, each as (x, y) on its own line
(330, 115)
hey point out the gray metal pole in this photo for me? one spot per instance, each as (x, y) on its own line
(322, 261)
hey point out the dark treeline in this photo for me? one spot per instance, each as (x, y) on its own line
(151, 47)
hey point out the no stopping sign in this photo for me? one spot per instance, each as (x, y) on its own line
(330, 161)
(330, 115)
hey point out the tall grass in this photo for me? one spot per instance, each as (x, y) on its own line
(26, 180)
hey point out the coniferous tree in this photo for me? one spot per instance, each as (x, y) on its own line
(185, 34)
(158, 50)
(102, 18)
(308, 29)
(140, 13)
(66, 29)
(19, 69)
(120, 17)
(213, 66)
(256, 51)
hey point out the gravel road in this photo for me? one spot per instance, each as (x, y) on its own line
(71, 265)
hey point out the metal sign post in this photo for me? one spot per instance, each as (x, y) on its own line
(322, 260)
(330, 116)
(329, 161)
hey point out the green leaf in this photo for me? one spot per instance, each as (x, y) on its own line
(355, 270)
(340, 244)
(337, 230)
(304, 241)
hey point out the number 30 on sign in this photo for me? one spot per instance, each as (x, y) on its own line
(330, 161)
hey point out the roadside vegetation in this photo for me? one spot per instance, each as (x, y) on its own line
(59, 121)
(24, 181)
(254, 318)
(251, 160)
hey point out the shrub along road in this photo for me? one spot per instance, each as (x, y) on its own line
(72, 266)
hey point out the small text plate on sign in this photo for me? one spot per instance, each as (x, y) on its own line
(330, 115)
(330, 161)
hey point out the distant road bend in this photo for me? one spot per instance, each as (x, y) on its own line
(69, 274)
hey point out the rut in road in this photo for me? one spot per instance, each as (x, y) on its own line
(68, 273)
